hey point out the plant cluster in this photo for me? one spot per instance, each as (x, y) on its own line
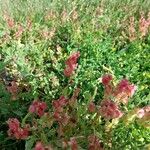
(74, 74)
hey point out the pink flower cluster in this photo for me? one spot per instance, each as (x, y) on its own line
(61, 115)
(11, 24)
(109, 110)
(19, 32)
(71, 64)
(145, 111)
(10, 21)
(38, 108)
(39, 146)
(106, 81)
(94, 143)
(144, 24)
(143, 115)
(124, 91)
(58, 106)
(132, 31)
(143, 27)
(15, 130)
(60, 103)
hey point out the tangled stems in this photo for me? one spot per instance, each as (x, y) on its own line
(70, 120)
(25, 118)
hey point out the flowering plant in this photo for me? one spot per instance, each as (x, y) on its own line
(50, 103)
(76, 125)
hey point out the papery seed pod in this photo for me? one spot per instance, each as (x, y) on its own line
(143, 25)
(29, 23)
(19, 32)
(73, 143)
(132, 31)
(52, 33)
(51, 15)
(64, 16)
(10, 21)
(64, 144)
(74, 15)
(59, 50)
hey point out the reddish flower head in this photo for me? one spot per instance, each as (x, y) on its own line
(13, 124)
(145, 111)
(110, 110)
(73, 58)
(68, 71)
(71, 64)
(15, 130)
(39, 146)
(38, 107)
(106, 79)
(19, 32)
(59, 114)
(10, 21)
(108, 86)
(60, 103)
(124, 90)
(94, 143)
(143, 25)
(123, 85)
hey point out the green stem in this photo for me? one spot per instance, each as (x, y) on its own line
(95, 92)
(24, 119)
(43, 137)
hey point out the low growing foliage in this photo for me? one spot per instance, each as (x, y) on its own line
(74, 75)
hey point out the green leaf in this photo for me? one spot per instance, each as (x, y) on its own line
(29, 143)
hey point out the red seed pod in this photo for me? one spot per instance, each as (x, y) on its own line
(71, 64)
